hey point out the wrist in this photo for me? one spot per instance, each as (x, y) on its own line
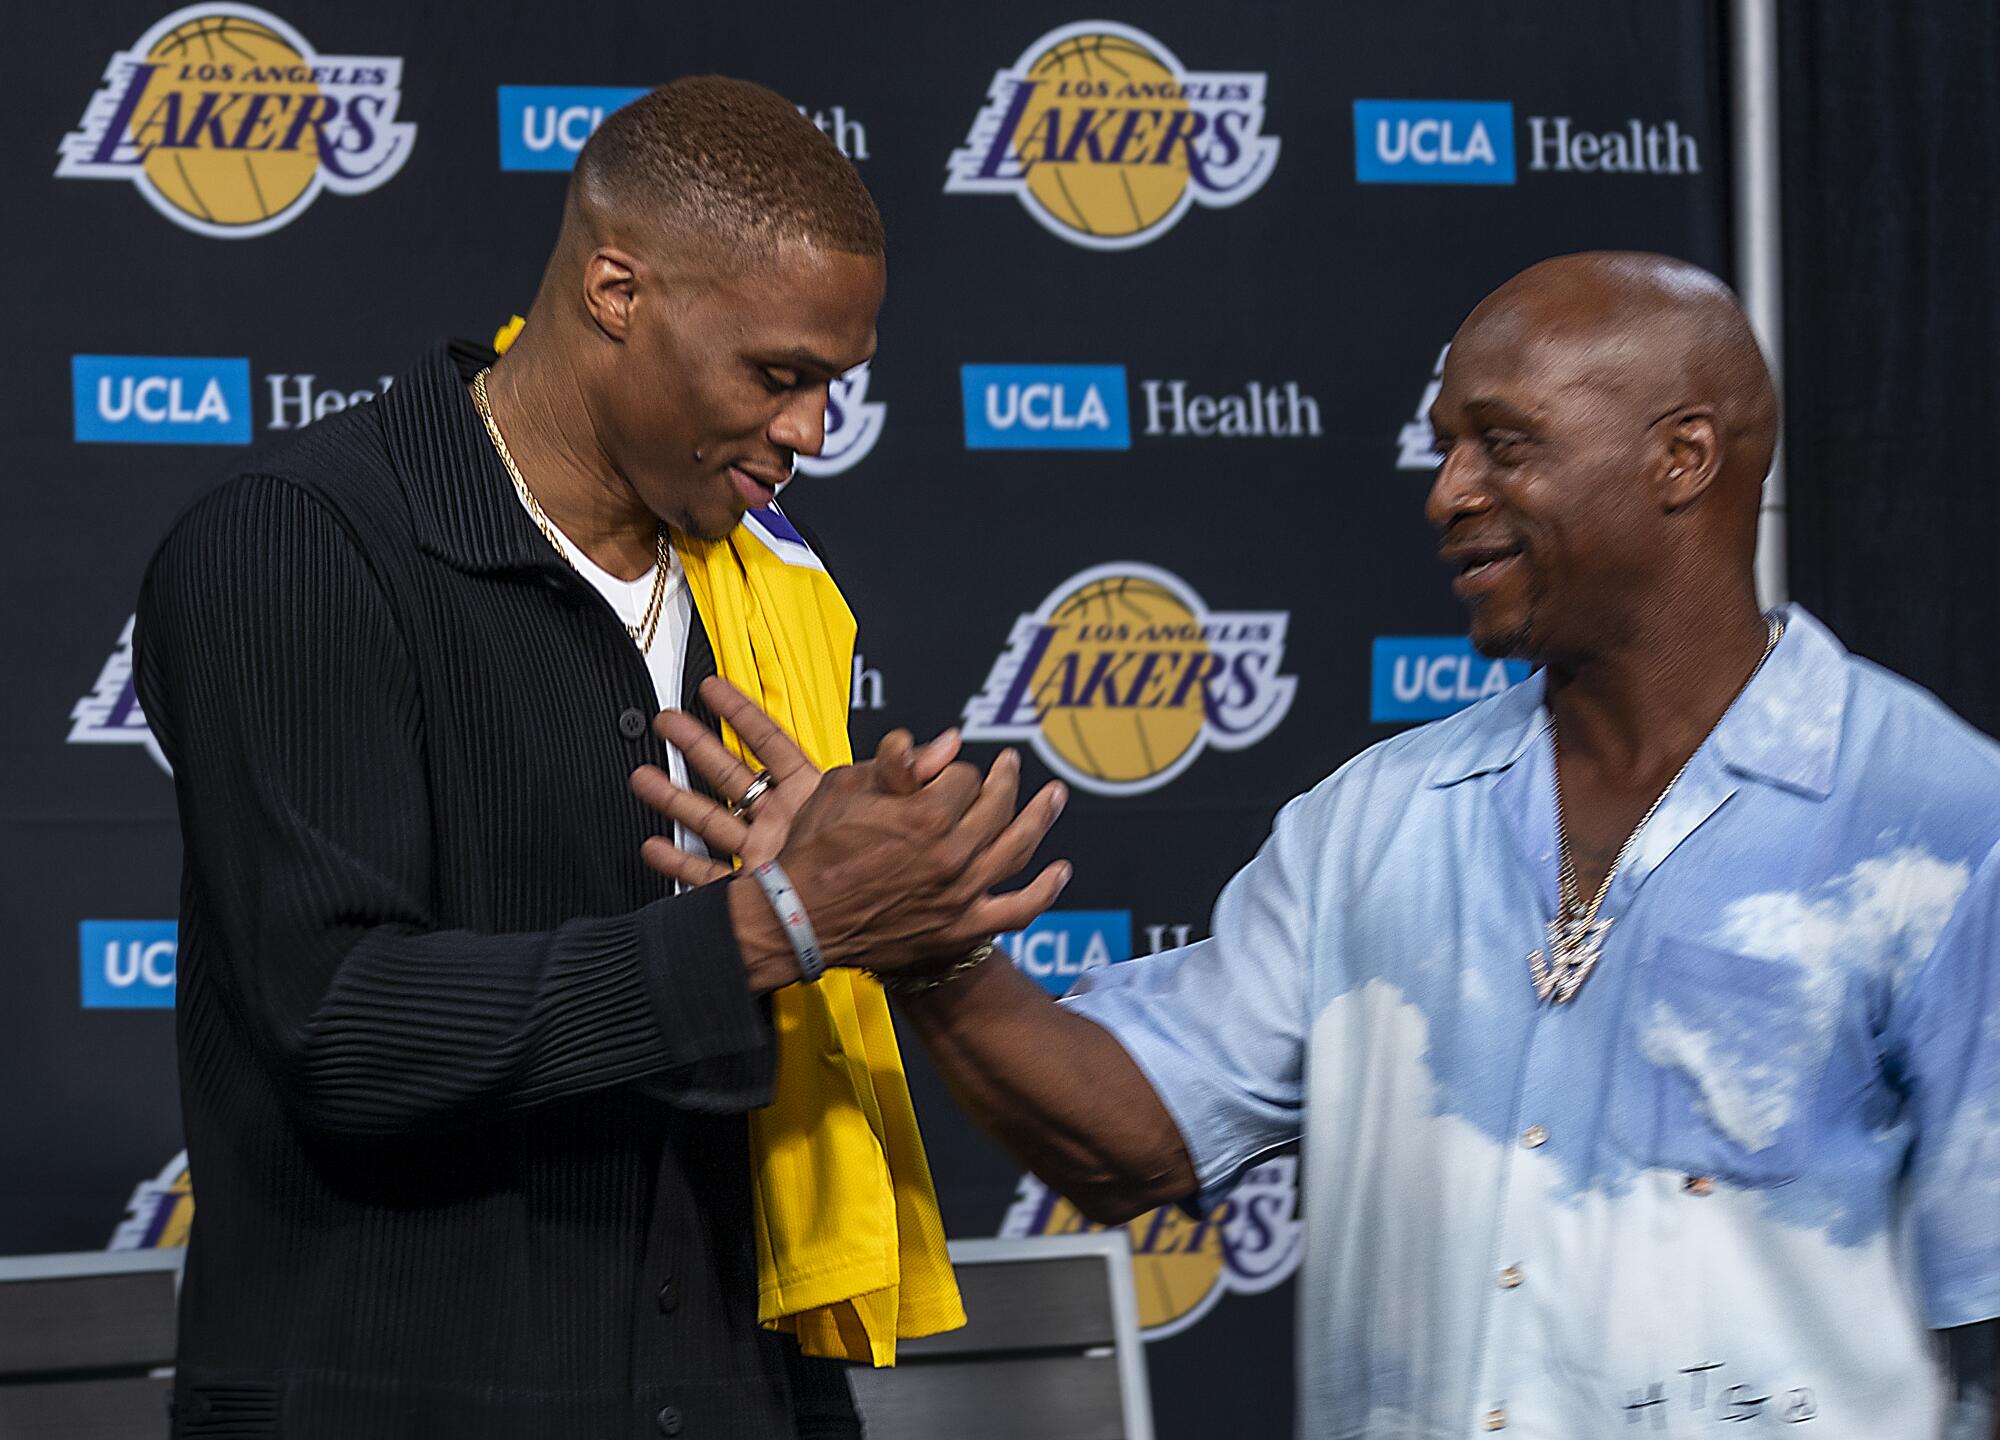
(927, 977)
(768, 961)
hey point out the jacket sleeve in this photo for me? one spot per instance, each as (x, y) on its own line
(273, 672)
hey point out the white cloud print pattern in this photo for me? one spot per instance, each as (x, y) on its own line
(1651, 1311)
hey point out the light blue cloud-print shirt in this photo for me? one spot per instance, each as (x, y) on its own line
(1732, 1188)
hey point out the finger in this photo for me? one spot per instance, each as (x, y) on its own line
(1014, 845)
(722, 832)
(894, 769)
(676, 864)
(933, 755)
(997, 914)
(954, 792)
(989, 812)
(706, 756)
(761, 735)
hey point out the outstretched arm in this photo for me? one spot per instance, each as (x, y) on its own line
(1057, 1090)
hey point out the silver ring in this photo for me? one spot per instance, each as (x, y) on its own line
(759, 783)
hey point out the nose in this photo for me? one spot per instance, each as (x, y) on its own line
(1458, 490)
(800, 426)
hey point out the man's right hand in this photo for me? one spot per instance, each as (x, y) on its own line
(894, 858)
(894, 870)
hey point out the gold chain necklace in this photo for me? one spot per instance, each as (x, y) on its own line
(642, 633)
(1576, 935)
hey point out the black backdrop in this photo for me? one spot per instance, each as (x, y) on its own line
(1892, 206)
(1323, 280)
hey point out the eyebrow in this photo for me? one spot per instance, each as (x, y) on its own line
(811, 360)
(1489, 408)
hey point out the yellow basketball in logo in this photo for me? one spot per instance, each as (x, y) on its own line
(1176, 1262)
(1094, 196)
(1086, 695)
(220, 183)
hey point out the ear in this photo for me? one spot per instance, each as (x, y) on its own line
(1693, 458)
(610, 288)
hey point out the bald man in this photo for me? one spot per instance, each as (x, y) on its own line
(1642, 1023)
(465, 1084)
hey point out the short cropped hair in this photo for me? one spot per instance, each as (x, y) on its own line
(731, 163)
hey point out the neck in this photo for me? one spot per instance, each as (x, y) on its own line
(1639, 709)
(538, 403)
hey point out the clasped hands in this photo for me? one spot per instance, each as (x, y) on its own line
(895, 859)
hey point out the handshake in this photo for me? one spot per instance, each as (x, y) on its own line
(894, 859)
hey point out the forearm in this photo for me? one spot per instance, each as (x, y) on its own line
(418, 1032)
(1056, 1089)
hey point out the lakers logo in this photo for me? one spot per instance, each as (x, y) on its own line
(1123, 675)
(853, 425)
(231, 124)
(160, 1210)
(1181, 1267)
(1107, 138)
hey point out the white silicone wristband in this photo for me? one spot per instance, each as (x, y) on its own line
(791, 913)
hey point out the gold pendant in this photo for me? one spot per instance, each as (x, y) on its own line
(1575, 944)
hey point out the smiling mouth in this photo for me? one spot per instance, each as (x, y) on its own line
(1481, 568)
(1475, 566)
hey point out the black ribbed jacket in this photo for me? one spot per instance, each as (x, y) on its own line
(464, 1085)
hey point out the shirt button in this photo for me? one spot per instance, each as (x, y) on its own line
(668, 1420)
(1510, 1278)
(632, 724)
(670, 1295)
(1534, 1137)
(1699, 1185)
(1496, 1419)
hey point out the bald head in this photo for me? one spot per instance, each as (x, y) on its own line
(1608, 420)
(1657, 330)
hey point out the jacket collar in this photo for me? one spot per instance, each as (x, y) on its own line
(1784, 729)
(462, 503)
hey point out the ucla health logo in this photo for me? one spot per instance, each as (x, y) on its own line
(1107, 139)
(110, 713)
(1045, 407)
(1434, 142)
(160, 399)
(230, 124)
(1426, 677)
(1122, 676)
(542, 127)
(1057, 949)
(853, 425)
(128, 964)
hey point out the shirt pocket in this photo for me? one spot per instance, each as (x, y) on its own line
(1718, 1069)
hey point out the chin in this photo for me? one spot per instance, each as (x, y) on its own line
(708, 519)
(1504, 637)
(714, 527)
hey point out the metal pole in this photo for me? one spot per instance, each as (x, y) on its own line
(1753, 84)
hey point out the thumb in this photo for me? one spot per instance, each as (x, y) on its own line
(895, 764)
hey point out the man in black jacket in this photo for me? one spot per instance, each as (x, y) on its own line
(464, 1084)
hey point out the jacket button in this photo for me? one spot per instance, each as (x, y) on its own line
(669, 1420)
(670, 1295)
(632, 724)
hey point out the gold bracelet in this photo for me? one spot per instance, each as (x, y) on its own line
(897, 982)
